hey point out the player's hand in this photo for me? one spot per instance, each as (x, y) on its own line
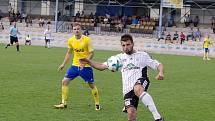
(60, 68)
(160, 76)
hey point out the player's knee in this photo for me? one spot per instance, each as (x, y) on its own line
(138, 90)
(131, 112)
(92, 85)
(65, 82)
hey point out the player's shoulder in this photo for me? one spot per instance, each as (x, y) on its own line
(71, 38)
(85, 37)
(144, 53)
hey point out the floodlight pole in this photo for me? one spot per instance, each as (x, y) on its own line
(160, 19)
(56, 15)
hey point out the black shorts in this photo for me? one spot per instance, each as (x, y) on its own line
(47, 40)
(13, 39)
(130, 99)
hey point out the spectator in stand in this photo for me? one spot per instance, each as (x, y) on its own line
(12, 17)
(187, 20)
(18, 16)
(175, 37)
(135, 21)
(119, 27)
(41, 22)
(196, 21)
(91, 15)
(2, 26)
(49, 21)
(168, 38)
(197, 35)
(190, 34)
(30, 21)
(82, 14)
(212, 22)
(10, 9)
(86, 32)
(182, 38)
(1, 14)
(105, 20)
(77, 15)
(25, 17)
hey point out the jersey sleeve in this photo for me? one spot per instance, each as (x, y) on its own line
(151, 62)
(10, 29)
(69, 43)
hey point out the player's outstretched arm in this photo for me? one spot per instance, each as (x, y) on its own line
(96, 65)
(66, 59)
(160, 75)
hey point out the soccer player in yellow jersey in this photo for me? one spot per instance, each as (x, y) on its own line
(205, 47)
(82, 48)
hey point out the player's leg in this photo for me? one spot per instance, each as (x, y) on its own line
(207, 54)
(29, 42)
(46, 41)
(131, 112)
(130, 105)
(64, 93)
(11, 42)
(17, 44)
(87, 74)
(140, 89)
(95, 95)
(70, 75)
(204, 56)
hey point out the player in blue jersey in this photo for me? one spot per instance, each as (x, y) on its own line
(13, 37)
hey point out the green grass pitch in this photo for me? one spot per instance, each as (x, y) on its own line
(30, 85)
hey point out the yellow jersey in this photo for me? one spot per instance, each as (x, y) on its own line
(206, 42)
(81, 48)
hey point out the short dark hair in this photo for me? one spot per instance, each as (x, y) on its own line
(126, 37)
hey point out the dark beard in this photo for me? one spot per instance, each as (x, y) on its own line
(130, 52)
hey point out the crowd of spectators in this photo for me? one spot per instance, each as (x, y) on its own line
(191, 36)
(113, 23)
(188, 21)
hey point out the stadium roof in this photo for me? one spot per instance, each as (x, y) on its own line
(154, 3)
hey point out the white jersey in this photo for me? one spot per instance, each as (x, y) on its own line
(132, 68)
(47, 34)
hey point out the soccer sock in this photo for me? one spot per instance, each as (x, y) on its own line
(149, 103)
(17, 47)
(206, 55)
(95, 94)
(65, 91)
(7, 45)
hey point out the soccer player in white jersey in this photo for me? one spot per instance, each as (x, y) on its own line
(48, 37)
(134, 76)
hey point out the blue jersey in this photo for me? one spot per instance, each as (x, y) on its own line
(13, 31)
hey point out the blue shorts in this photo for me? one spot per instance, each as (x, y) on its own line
(86, 73)
(206, 50)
